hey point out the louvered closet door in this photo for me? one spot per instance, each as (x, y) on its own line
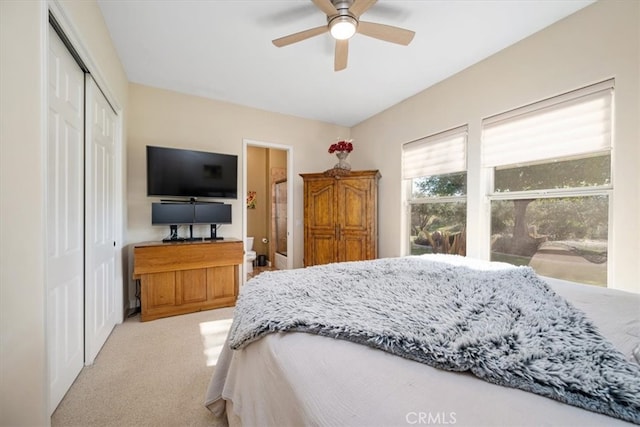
(65, 224)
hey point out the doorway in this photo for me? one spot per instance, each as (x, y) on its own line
(268, 213)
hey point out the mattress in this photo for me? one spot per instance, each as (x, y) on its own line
(304, 379)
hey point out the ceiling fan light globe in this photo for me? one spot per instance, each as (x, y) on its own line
(343, 28)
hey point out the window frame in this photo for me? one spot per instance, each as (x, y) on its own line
(409, 200)
(556, 193)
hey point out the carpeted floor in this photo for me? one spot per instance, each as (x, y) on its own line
(149, 374)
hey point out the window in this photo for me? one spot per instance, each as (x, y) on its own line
(551, 164)
(434, 170)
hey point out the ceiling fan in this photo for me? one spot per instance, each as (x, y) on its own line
(343, 21)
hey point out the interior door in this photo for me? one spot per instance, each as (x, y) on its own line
(64, 207)
(100, 215)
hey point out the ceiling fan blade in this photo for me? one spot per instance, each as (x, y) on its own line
(342, 53)
(386, 32)
(361, 6)
(326, 6)
(302, 35)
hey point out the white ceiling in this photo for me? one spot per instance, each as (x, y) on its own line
(222, 49)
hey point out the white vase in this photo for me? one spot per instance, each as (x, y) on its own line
(342, 160)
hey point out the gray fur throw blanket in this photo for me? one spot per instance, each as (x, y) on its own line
(505, 325)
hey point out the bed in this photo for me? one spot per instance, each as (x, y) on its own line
(380, 350)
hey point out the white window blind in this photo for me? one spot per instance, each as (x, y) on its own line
(575, 123)
(438, 154)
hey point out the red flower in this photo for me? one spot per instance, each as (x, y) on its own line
(341, 146)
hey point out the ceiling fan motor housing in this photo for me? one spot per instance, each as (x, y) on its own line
(343, 25)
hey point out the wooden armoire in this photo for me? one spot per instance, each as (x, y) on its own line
(340, 216)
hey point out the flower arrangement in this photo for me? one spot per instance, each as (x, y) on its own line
(341, 146)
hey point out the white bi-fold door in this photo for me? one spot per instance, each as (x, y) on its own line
(64, 211)
(100, 208)
(80, 211)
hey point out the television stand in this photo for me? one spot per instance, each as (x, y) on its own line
(185, 277)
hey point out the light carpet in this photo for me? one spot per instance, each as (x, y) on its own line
(149, 374)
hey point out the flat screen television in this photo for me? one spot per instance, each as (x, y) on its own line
(212, 213)
(172, 213)
(174, 172)
(190, 213)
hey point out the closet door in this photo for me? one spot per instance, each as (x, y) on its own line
(64, 213)
(100, 215)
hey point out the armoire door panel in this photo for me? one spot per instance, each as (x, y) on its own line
(323, 249)
(354, 249)
(353, 211)
(321, 206)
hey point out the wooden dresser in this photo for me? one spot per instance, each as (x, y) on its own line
(340, 217)
(184, 277)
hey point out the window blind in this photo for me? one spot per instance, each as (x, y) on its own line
(575, 123)
(438, 154)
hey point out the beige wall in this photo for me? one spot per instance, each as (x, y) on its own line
(22, 345)
(277, 159)
(23, 36)
(165, 118)
(597, 43)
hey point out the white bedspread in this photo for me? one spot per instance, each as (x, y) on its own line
(304, 379)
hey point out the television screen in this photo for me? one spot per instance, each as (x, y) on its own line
(187, 173)
(190, 213)
(212, 213)
(171, 213)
